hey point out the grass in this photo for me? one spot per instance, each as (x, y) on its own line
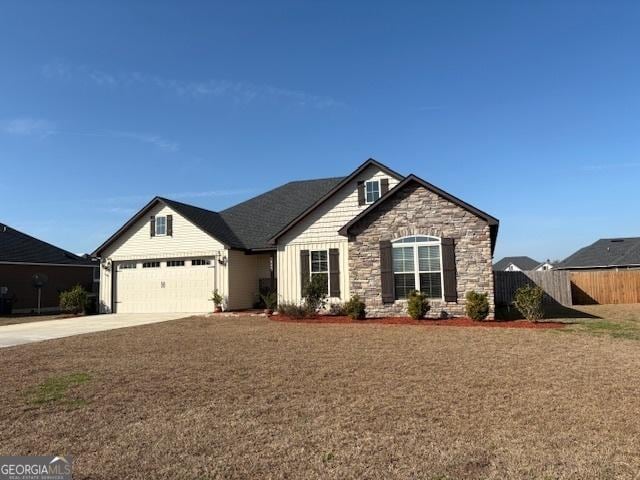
(252, 398)
(56, 390)
(616, 321)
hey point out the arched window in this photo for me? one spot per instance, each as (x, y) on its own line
(417, 265)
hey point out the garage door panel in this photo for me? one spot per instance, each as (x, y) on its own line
(164, 289)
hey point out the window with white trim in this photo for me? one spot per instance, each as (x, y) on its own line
(151, 265)
(417, 265)
(161, 226)
(127, 265)
(371, 191)
(200, 261)
(320, 266)
(175, 263)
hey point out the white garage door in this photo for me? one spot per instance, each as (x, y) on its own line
(158, 289)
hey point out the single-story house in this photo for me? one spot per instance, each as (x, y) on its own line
(373, 233)
(26, 262)
(519, 264)
(606, 253)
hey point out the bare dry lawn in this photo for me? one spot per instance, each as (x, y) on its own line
(208, 398)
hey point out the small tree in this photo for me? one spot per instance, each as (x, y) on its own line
(315, 293)
(74, 300)
(528, 301)
(476, 305)
(355, 308)
(417, 305)
(217, 299)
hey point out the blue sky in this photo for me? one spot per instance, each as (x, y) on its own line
(528, 110)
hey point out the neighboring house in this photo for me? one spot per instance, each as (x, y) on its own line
(373, 233)
(518, 264)
(606, 253)
(22, 257)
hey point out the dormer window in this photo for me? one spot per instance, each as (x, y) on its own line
(161, 226)
(372, 191)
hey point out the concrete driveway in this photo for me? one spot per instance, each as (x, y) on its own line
(38, 331)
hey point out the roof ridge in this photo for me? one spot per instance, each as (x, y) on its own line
(165, 199)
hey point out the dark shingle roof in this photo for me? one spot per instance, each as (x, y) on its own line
(209, 221)
(606, 252)
(260, 218)
(19, 247)
(523, 263)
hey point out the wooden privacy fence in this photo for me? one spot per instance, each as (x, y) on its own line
(605, 287)
(556, 285)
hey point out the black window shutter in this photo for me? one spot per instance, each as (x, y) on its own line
(361, 200)
(384, 186)
(334, 272)
(449, 270)
(304, 270)
(153, 226)
(386, 272)
(170, 225)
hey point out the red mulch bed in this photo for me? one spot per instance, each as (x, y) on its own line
(449, 322)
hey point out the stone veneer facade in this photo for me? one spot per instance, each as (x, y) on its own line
(418, 211)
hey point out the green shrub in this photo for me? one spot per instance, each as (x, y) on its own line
(355, 308)
(216, 298)
(294, 310)
(337, 309)
(417, 305)
(528, 301)
(74, 300)
(270, 299)
(476, 305)
(315, 293)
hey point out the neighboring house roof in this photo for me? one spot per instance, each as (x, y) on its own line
(18, 247)
(606, 252)
(338, 186)
(523, 263)
(492, 221)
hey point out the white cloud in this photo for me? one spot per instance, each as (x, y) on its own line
(29, 126)
(241, 92)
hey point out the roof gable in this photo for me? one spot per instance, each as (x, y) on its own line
(492, 221)
(206, 220)
(18, 247)
(344, 181)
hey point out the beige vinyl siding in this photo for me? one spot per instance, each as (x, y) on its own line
(319, 231)
(187, 240)
(186, 243)
(288, 269)
(243, 279)
(322, 225)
